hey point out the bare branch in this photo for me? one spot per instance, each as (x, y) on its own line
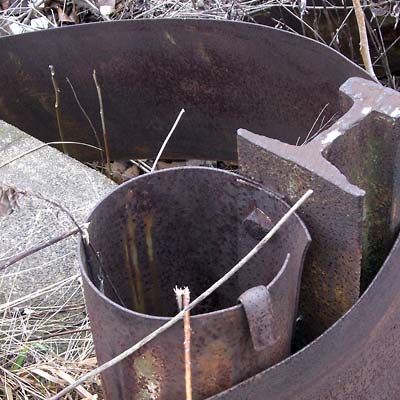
(87, 118)
(103, 124)
(38, 247)
(166, 140)
(364, 47)
(44, 145)
(57, 107)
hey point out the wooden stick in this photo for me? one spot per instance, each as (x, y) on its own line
(183, 300)
(57, 108)
(44, 145)
(166, 140)
(40, 246)
(38, 293)
(186, 345)
(86, 115)
(193, 304)
(103, 125)
(364, 47)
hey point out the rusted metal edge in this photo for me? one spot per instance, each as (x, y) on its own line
(225, 74)
(356, 357)
(222, 350)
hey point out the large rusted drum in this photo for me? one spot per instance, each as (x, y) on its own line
(189, 226)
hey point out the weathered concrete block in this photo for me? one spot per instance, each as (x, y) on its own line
(54, 176)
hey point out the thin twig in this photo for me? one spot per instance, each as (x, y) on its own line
(44, 145)
(38, 293)
(193, 304)
(103, 125)
(142, 165)
(88, 119)
(186, 345)
(183, 300)
(153, 168)
(57, 334)
(380, 48)
(82, 230)
(315, 122)
(38, 247)
(364, 47)
(387, 50)
(340, 27)
(317, 35)
(322, 127)
(57, 107)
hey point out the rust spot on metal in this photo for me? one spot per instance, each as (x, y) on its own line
(157, 304)
(191, 235)
(135, 275)
(148, 371)
(258, 224)
(214, 368)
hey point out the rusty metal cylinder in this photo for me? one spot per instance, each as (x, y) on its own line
(188, 227)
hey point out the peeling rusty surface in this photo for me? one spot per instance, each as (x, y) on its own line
(353, 231)
(259, 312)
(258, 224)
(226, 75)
(197, 235)
(358, 356)
(366, 151)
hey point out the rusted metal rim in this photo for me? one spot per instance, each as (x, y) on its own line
(227, 75)
(314, 370)
(352, 168)
(82, 255)
(189, 226)
(356, 357)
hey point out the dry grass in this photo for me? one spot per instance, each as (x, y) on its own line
(45, 340)
(329, 22)
(44, 348)
(86, 11)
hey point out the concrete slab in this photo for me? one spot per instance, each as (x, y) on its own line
(57, 177)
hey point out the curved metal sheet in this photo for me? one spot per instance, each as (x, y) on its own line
(185, 226)
(357, 358)
(226, 75)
